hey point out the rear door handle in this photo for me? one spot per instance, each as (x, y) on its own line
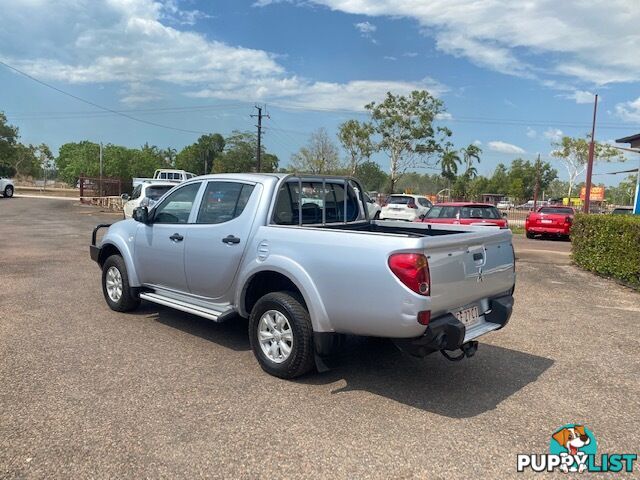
(230, 239)
(176, 237)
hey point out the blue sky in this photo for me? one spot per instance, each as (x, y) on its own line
(512, 77)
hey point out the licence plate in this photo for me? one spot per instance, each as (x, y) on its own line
(546, 221)
(468, 316)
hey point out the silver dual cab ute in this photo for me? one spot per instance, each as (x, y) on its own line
(300, 257)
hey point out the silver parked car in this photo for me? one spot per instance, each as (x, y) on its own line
(299, 256)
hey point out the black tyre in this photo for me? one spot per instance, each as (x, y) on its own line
(530, 235)
(8, 191)
(281, 335)
(115, 286)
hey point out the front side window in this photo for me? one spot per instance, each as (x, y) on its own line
(176, 208)
(424, 202)
(223, 201)
(442, 212)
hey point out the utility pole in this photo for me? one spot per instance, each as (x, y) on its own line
(100, 168)
(592, 146)
(259, 125)
(537, 187)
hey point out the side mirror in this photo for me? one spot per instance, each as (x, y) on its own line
(125, 197)
(422, 216)
(141, 214)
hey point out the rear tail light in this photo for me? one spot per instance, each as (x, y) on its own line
(412, 269)
(424, 317)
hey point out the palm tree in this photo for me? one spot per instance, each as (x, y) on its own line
(471, 153)
(449, 164)
(472, 172)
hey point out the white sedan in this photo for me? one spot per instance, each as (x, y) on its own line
(405, 207)
(145, 194)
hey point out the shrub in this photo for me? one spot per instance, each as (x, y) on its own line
(608, 245)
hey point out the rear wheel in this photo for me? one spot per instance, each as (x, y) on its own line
(281, 335)
(8, 191)
(115, 285)
(530, 235)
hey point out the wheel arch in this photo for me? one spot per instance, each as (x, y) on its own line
(110, 248)
(272, 278)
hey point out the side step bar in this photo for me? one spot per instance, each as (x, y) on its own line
(185, 307)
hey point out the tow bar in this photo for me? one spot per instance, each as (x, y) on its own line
(467, 350)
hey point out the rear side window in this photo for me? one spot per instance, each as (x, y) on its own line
(223, 201)
(313, 202)
(136, 192)
(558, 210)
(424, 202)
(479, 212)
(400, 200)
(154, 193)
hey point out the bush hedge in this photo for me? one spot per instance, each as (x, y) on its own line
(608, 245)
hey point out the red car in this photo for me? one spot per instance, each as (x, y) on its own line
(553, 220)
(465, 213)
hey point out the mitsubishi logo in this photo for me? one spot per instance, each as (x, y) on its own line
(479, 279)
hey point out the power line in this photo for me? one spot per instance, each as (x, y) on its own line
(93, 104)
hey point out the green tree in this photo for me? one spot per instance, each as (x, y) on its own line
(476, 187)
(404, 126)
(200, 156)
(320, 155)
(355, 138)
(8, 140)
(240, 155)
(469, 154)
(574, 154)
(372, 176)
(449, 163)
(499, 182)
(77, 159)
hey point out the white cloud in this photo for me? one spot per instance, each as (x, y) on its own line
(629, 111)
(389, 57)
(589, 41)
(531, 133)
(477, 142)
(504, 147)
(365, 27)
(130, 43)
(297, 92)
(444, 116)
(581, 96)
(553, 134)
(366, 30)
(410, 54)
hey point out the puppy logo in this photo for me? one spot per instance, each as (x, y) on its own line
(572, 438)
(573, 441)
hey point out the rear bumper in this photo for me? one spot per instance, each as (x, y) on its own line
(549, 230)
(398, 215)
(448, 333)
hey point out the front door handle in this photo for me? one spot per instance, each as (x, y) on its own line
(230, 239)
(176, 237)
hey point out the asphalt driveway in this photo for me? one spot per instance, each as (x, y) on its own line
(90, 393)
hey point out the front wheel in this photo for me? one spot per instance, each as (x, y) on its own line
(115, 286)
(281, 335)
(8, 191)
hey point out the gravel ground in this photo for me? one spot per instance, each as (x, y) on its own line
(90, 393)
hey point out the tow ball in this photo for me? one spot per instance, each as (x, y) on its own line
(467, 350)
